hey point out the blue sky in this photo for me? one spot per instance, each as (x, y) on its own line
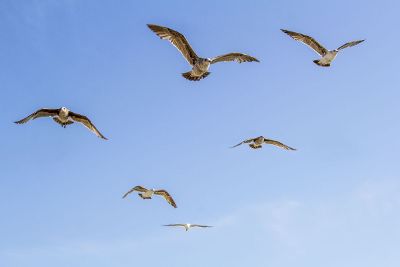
(334, 202)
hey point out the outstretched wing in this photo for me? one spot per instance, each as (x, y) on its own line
(44, 112)
(238, 57)
(199, 225)
(307, 40)
(175, 224)
(350, 44)
(136, 188)
(177, 39)
(85, 121)
(244, 142)
(279, 144)
(167, 197)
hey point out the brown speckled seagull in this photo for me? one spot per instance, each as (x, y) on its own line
(326, 56)
(148, 193)
(64, 117)
(257, 142)
(199, 65)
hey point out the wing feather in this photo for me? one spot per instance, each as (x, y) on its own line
(244, 142)
(175, 224)
(307, 40)
(278, 144)
(200, 225)
(86, 122)
(177, 39)
(44, 112)
(136, 188)
(238, 57)
(350, 44)
(167, 197)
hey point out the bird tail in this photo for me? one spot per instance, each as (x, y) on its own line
(254, 146)
(189, 75)
(320, 64)
(63, 124)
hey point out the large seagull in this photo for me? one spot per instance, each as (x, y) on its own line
(199, 65)
(326, 56)
(148, 193)
(258, 142)
(64, 117)
(187, 226)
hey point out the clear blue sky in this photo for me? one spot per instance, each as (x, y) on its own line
(334, 202)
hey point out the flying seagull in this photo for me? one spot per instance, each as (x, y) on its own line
(187, 226)
(259, 141)
(148, 193)
(326, 56)
(64, 117)
(199, 65)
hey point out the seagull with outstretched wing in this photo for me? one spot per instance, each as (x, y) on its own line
(199, 65)
(148, 193)
(64, 117)
(326, 56)
(258, 142)
(187, 226)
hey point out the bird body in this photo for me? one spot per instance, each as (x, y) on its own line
(148, 194)
(327, 56)
(64, 117)
(199, 65)
(327, 59)
(187, 226)
(258, 142)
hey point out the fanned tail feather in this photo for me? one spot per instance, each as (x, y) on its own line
(188, 75)
(319, 63)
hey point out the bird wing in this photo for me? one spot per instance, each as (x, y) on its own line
(307, 40)
(244, 142)
(44, 112)
(86, 122)
(199, 225)
(175, 224)
(238, 57)
(177, 39)
(350, 44)
(279, 144)
(167, 197)
(136, 188)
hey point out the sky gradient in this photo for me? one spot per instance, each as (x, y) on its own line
(334, 202)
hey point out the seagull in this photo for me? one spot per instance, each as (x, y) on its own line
(199, 65)
(187, 226)
(148, 193)
(64, 117)
(326, 56)
(259, 141)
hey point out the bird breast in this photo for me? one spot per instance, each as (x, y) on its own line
(63, 115)
(259, 141)
(330, 56)
(202, 65)
(148, 193)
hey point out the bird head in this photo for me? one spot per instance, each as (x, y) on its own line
(208, 60)
(64, 109)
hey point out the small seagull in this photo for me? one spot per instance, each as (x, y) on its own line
(148, 193)
(199, 65)
(326, 56)
(259, 141)
(187, 226)
(64, 117)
